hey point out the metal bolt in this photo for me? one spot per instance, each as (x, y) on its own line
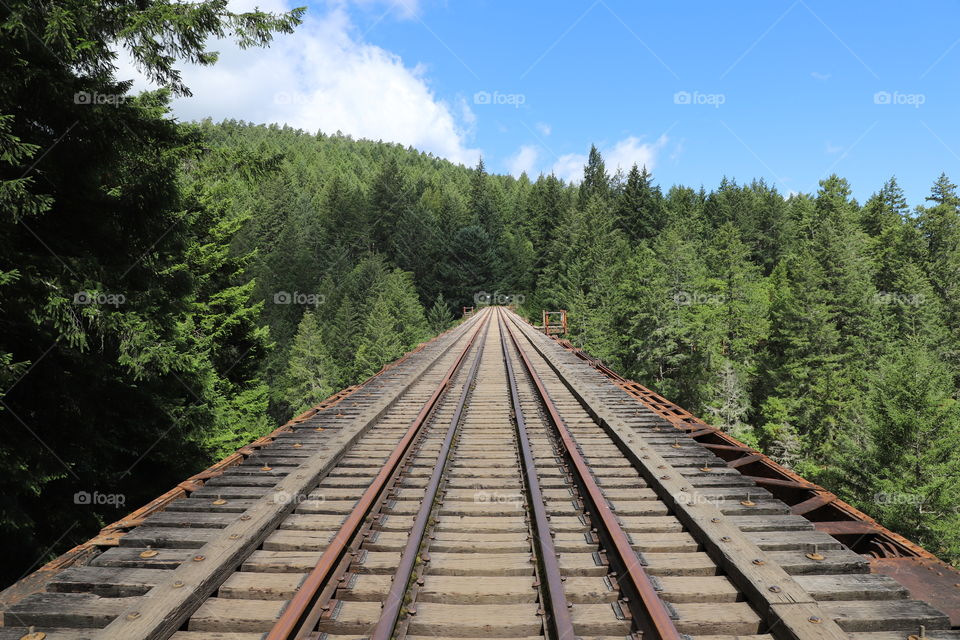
(775, 589)
(199, 558)
(759, 562)
(133, 615)
(814, 555)
(815, 619)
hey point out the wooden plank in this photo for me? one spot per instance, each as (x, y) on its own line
(793, 540)
(261, 586)
(226, 614)
(170, 537)
(729, 618)
(16, 633)
(132, 558)
(886, 615)
(168, 605)
(75, 610)
(599, 620)
(106, 582)
(853, 587)
(501, 620)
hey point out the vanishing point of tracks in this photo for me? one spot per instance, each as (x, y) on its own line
(488, 485)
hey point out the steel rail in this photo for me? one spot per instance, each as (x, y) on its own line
(300, 612)
(658, 619)
(559, 609)
(408, 558)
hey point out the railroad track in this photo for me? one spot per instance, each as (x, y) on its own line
(490, 485)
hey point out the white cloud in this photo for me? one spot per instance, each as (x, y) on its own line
(324, 77)
(816, 75)
(833, 149)
(569, 167)
(543, 128)
(622, 155)
(632, 150)
(523, 161)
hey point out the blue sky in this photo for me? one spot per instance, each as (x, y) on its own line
(789, 91)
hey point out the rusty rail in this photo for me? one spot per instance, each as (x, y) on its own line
(559, 609)
(649, 610)
(408, 558)
(304, 609)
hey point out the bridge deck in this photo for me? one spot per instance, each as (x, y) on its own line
(491, 484)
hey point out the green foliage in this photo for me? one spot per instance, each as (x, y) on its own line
(129, 343)
(308, 366)
(439, 316)
(915, 427)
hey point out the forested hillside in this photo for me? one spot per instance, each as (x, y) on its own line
(818, 329)
(170, 291)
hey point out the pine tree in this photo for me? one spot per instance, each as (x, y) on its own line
(939, 227)
(481, 201)
(378, 343)
(439, 316)
(308, 366)
(915, 424)
(640, 206)
(884, 210)
(390, 199)
(732, 403)
(596, 181)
